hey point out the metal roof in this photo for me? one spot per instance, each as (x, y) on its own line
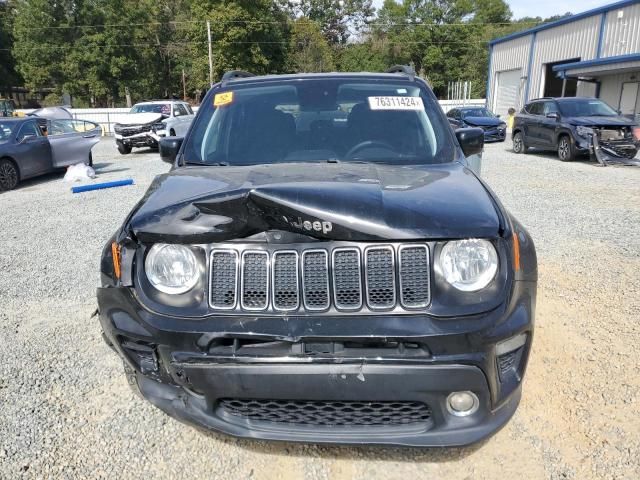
(564, 21)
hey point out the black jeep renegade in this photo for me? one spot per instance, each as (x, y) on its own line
(321, 265)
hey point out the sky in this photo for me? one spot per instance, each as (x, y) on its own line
(543, 8)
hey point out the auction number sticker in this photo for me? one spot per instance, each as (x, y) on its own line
(395, 103)
(222, 99)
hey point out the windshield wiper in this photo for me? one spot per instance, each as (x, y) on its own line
(202, 164)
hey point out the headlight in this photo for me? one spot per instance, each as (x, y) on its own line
(584, 131)
(469, 265)
(171, 268)
(159, 126)
(502, 126)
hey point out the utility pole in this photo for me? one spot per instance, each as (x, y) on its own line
(184, 86)
(210, 54)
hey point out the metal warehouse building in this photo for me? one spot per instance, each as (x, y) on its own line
(595, 53)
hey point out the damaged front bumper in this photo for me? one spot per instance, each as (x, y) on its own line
(608, 146)
(362, 379)
(144, 139)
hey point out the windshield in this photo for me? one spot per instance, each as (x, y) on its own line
(586, 107)
(6, 129)
(162, 108)
(314, 120)
(477, 112)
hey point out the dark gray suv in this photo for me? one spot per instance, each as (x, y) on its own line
(568, 125)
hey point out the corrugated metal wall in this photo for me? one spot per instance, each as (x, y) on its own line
(572, 40)
(611, 87)
(622, 34)
(508, 56)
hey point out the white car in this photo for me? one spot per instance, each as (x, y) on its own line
(148, 122)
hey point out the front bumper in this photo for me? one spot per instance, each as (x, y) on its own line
(495, 135)
(144, 139)
(192, 368)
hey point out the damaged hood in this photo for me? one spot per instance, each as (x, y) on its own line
(600, 121)
(141, 118)
(359, 201)
(483, 121)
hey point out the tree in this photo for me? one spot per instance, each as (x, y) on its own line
(338, 19)
(247, 35)
(308, 49)
(8, 75)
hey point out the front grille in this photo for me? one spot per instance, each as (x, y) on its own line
(328, 412)
(346, 278)
(128, 131)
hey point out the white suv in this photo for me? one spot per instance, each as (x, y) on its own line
(147, 122)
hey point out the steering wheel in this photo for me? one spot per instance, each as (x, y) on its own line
(368, 144)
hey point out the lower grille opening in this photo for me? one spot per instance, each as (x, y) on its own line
(328, 412)
(509, 363)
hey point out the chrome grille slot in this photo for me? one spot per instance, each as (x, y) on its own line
(347, 282)
(380, 276)
(255, 280)
(414, 276)
(315, 279)
(347, 277)
(224, 279)
(285, 280)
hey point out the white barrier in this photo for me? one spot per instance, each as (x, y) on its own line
(107, 117)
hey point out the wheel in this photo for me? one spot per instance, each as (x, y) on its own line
(518, 143)
(90, 163)
(124, 149)
(172, 133)
(9, 175)
(566, 152)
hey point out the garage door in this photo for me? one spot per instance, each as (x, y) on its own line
(507, 92)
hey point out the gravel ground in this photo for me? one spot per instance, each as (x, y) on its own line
(67, 412)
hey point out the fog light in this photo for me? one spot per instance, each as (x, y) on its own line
(462, 404)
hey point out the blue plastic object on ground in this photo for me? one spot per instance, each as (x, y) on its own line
(99, 186)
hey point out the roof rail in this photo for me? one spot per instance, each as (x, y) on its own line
(233, 74)
(406, 69)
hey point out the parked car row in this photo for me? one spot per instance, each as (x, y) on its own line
(567, 125)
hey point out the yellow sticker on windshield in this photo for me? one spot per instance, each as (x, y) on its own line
(222, 99)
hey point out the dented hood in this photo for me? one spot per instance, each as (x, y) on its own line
(140, 118)
(361, 202)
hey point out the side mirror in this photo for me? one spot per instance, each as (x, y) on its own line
(471, 140)
(169, 148)
(553, 115)
(498, 116)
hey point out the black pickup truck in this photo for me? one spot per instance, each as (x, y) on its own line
(321, 265)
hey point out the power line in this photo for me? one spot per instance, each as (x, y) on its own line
(273, 22)
(195, 42)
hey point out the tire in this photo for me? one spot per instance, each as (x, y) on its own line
(566, 152)
(124, 149)
(9, 175)
(90, 163)
(518, 143)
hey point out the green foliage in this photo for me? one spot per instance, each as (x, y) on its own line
(52, 100)
(100, 51)
(308, 49)
(338, 19)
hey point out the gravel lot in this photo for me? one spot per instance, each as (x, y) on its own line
(67, 412)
